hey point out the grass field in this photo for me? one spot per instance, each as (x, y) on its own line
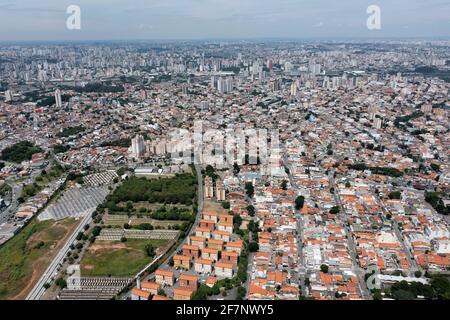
(117, 259)
(25, 257)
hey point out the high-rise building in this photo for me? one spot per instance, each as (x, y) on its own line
(220, 191)
(377, 122)
(209, 188)
(137, 147)
(294, 89)
(8, 95)
(58, 99)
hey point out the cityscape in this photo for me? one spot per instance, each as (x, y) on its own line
(229, 169)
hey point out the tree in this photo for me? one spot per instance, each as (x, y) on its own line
(251, 210)
(253, 247)
(161, 292)
(395, 195)
(241, 293)
(417, 274)
(299, 202)
(324, 268)
(334, 210)
(249, 189)
(226, 205)
(236, 169)
(150, 250)
(60, 282)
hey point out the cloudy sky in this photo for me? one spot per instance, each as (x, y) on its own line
(221, 19)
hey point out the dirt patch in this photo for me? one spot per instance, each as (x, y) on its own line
(107, 246)
(213, 206)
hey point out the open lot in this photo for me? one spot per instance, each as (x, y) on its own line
(25, 257)
(117, 259)
(213, 206)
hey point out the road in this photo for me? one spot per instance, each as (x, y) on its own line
(301, 262)
(38, 290)
(351, 244)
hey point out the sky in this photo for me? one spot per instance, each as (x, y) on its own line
(34, 20)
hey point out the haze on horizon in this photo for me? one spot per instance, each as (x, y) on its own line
(30, 20)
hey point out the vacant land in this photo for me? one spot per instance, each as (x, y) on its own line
(25, 257)
(213, 206)
(118, 259)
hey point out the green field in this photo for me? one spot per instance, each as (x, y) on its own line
(117, 259)
(26, 256)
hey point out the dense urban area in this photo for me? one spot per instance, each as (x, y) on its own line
(225, 170)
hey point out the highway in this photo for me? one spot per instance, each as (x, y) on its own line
(38, 290)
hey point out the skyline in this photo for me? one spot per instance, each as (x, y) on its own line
(24, 20)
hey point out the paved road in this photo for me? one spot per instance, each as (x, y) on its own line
(52, 269)
(351, 244)
(301, 262)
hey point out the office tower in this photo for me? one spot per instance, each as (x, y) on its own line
(137, 146)
(58, 100)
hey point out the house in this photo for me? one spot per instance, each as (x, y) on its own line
(235, 246)
(203, 265)
(211, 281)
(230, 256)
(209, 253)
(215, 244)
(221, 235)
(188, 281)
(139, 294)
(191, 251)
(151, 287)
(225, 226)
(182, 293)
(203, 232)
(200, 242)
(208, 224)
(164, 277)
(210, 216)
(158, 297)
(181, 261)
(226, 218)
(224, 270)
